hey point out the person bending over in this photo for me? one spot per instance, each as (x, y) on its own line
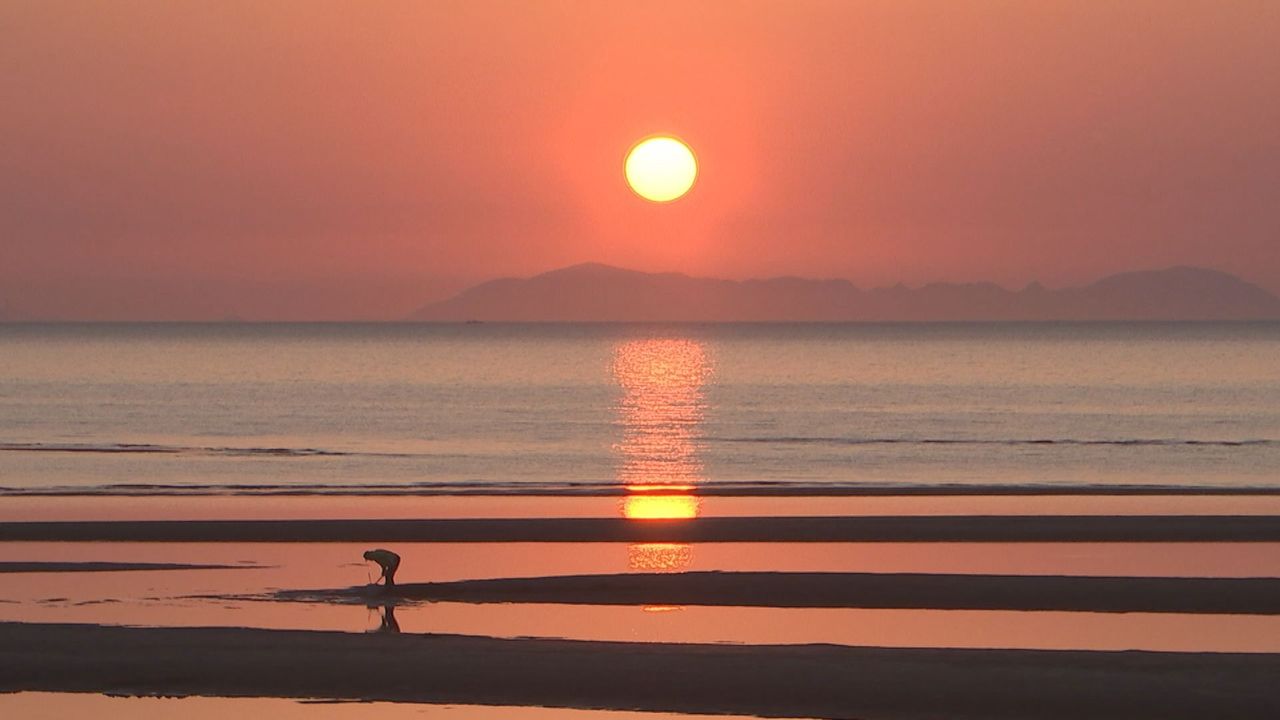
(386, 560)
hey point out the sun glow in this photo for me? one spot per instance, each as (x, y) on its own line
(661, 169)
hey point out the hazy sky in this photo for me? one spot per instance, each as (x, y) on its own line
(311, 159)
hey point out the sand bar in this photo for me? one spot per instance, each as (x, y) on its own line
(1257, 596)
(780, 681)
(1039, 528)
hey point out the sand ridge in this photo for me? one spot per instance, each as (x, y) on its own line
(957, 528)
(823, 681)
(1257, 596)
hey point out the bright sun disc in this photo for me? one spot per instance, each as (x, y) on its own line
(661, 169)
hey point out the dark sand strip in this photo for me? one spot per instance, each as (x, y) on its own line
(780, 681)
(1044, 528)
(1258, 596)
(59, 567)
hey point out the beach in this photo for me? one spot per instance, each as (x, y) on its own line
(805, 681)
(821, 522)
(243, 657)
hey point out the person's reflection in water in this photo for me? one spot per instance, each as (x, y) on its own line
(387, 622)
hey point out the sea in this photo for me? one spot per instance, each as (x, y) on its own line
(605, 409)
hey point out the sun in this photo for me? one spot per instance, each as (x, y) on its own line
(661, 168)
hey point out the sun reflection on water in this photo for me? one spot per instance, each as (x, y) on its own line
(660, 507)
(660, 413)
(659, 557)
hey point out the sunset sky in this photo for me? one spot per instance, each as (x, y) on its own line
(297, 159)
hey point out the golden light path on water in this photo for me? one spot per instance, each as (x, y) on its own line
(661, 411)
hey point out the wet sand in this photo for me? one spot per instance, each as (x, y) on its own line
(1042, 528)
(779, 681)
(1257, 596)
(61, 706)
(207, 598)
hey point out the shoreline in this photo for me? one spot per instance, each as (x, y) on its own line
(774, 681)
(1247, 596)
(968, 528)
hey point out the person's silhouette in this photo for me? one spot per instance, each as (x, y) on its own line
(388, 561)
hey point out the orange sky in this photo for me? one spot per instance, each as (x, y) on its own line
(307, 160)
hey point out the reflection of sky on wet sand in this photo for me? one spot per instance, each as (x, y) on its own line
(694, 624)
(162, 597)
(660, 413)
(849, 626)
(51, 706)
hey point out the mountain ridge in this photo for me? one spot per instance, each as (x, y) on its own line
(596, 292)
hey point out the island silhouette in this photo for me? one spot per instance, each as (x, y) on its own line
(593, 292)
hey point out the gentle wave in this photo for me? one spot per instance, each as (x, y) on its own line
(153, 449)
(157, 449)
(1120, 442)
(755, 488)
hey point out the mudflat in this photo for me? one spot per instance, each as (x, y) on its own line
(781, 681)
(1257, 596)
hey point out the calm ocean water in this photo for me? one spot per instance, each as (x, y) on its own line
(587, 408)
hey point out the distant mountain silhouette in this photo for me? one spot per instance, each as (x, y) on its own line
(593, 292)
